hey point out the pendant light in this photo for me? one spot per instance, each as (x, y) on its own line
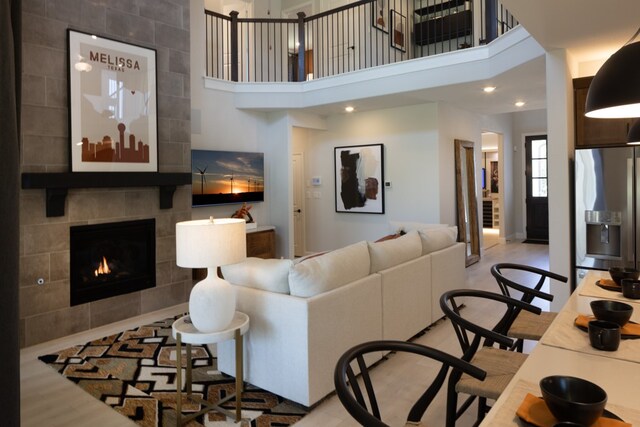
(615, 90)
(633, 137)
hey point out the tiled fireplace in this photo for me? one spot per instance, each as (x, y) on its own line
(46, 271)
(111, 259)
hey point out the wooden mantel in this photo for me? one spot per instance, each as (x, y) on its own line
(58, 184)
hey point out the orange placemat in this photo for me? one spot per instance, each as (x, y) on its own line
(630, 329)
(534, 411)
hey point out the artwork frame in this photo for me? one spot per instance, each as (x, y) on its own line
(398, 28)
(113, 104)
(494, 177)
(380, 15)
(359, 179)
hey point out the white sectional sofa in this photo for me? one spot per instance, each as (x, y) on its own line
(305, 314)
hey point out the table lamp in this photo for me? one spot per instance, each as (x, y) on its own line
(209, 244)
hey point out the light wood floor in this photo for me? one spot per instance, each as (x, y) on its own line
(47, 399)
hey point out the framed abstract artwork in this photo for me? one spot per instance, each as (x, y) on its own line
(380, 15)
(113, 105)
(399, 30)
(359, 175)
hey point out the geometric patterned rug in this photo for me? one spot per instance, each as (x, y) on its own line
(134, 372)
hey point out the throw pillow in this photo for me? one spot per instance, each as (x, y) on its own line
(267, 274)
(435, 239)
(329, 271)
(389, 253)
(388, 237)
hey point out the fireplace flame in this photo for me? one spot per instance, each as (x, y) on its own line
(103, 268)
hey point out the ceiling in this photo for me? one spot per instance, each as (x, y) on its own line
(590, 30)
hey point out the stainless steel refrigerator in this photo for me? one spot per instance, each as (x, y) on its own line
(606, 208)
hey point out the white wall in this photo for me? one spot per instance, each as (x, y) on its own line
(412, 162)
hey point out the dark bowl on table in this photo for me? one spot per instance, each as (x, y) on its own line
(573, 399)
(631, 288)
(612, 311)
(619, 273)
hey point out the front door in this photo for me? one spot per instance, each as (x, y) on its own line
(536, 182)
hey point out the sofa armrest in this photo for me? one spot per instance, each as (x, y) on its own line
(447, 273)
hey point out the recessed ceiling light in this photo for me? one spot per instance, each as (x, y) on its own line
(519, 103)
(349, 109)
(489, 89)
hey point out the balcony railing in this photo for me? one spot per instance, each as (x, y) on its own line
(363, 34)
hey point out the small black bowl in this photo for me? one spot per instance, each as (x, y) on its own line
(612, 311)
(631, 288)
(619, 273)
(573, 399)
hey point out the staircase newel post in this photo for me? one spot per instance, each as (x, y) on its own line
(234, 45)
(491, 20)
(301, 50)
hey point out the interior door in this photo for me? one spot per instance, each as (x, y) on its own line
(537, 186)
(298, 201)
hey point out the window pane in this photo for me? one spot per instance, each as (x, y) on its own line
(539, 168)
(539, 149)
(539, 187)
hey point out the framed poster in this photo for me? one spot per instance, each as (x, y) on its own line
(380, 15)
(359, 178)
(112, 104)
(399, 28)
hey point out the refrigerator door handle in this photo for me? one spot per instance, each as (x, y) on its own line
(604, 233)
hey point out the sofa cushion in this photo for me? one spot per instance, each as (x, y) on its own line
(267, 274)
(434, 239)
(336, 268)
(407, 226)
(389, 253)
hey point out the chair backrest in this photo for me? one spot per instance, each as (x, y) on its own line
(471, 335)
(538, 275)
(367, 411)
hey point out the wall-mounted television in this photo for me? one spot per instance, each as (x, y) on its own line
(226, 177)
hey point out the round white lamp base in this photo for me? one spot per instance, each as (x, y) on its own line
(212, 303)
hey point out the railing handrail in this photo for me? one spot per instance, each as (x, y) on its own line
(321, 45)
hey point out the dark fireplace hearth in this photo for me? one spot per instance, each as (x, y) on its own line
(112, 259)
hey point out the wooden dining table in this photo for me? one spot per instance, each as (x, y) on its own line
(565, 350)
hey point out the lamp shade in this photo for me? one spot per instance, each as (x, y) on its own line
(210, 243)
(615, 89)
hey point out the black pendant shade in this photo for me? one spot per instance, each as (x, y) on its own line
(615, 90)
(633, 137)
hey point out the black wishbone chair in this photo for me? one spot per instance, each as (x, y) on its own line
(367, 412)
(524, 325)
(477, 344)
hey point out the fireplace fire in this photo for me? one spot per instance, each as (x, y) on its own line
(111, 259)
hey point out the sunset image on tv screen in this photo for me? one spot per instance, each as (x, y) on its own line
(224, 177)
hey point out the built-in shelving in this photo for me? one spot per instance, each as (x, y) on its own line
(57, 185)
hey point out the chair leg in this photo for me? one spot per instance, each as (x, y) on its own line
(482, 408)
(452, 403)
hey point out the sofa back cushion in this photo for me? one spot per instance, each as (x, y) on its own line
(434, 239)
(267, 274)
(389, 253)
(407, 226)
(323, 273)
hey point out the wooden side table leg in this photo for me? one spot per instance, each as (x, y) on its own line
(239, 373)
(189, 378)
(178, 379)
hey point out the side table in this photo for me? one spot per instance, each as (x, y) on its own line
(184, 332)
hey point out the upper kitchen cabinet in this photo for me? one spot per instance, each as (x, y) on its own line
(595, 132)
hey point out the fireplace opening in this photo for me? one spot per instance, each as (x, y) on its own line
(112, 259)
